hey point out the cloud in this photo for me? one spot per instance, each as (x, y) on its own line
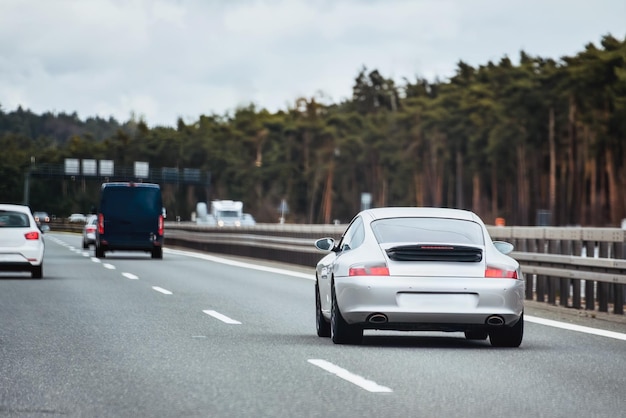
(166, 59)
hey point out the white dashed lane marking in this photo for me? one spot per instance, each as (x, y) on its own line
(355, 379)
(221, 317)
(161, 290)
(130, 276)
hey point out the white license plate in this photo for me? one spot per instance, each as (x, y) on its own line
(438, 301)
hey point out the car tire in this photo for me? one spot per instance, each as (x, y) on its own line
(476, 334)
(157, 253)
(36, 272)
(321, 324)
(85, 245)
(508, 336)
(99, 252)
(340, 331)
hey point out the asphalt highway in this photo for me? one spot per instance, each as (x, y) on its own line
(199, 335)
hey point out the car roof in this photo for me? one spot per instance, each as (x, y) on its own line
(420, 212)
(128, 184)
(17, 208)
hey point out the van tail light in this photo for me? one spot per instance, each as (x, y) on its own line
(34, 235)
(100, 223)
(496, 273)
(369, 270)
(160, 225)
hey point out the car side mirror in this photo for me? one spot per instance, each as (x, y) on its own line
(325, 244)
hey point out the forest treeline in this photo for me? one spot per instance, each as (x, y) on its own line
(503, 139)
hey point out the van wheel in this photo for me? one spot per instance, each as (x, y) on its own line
(157, 253)
(99, 252)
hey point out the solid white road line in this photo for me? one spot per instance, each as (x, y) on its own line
(362, 382)
(573, 327)
(241, 264)
(161, 290)
(130, 276)
(221, 317)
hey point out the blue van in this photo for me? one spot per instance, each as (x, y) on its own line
(130, 218)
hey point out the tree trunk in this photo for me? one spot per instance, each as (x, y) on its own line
(383, 185)
(494, 193)
(593, 192)
(573, 180)
(552, 147)
(419, 188)
(459, 180)
(522, 186)
(585, 196)
(476, 203)
(327, 201)
(614, 199)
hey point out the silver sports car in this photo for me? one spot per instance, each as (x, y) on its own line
(419, 269)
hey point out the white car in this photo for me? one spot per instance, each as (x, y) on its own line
(419, 269)
(21, 241)
(89, 231)
(77, 217)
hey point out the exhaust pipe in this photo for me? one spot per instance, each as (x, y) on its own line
(377, 318)
(495, 320)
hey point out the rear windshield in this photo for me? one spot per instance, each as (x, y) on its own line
(9, 219)
(130, 202)
(228, 214)
(428, 230)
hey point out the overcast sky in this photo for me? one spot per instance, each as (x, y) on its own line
(165, 59)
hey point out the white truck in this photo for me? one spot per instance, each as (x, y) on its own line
(223, 213)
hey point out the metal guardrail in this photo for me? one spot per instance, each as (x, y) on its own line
(582, 268)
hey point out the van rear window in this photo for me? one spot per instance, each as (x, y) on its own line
(131, 202)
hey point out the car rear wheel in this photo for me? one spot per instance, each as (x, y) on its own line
(85, 245)
(508, 336)
(340, 331)
(157, 253)
(476, 335)
(99, 252)
(322, 325)
(36, 272)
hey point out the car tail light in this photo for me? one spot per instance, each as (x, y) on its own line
(161, 225)
(100, 223)
(91, 229)
(369, 270)
(34, 235)
(496, 273)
